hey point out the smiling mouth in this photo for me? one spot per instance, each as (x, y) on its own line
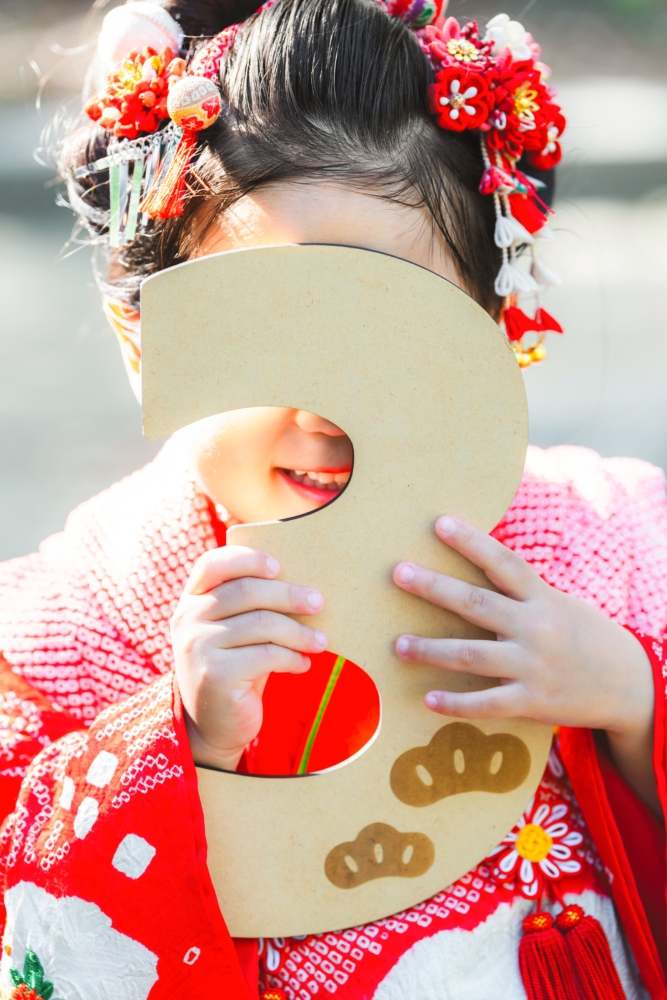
(328, 482)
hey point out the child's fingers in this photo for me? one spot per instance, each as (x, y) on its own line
(473, 656)
(250, 663)
(252, 593)
(260, 627)
(506, 701)
(217, 566)
(504, 568)
(477, 605)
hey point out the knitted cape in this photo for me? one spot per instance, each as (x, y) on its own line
(104, 855)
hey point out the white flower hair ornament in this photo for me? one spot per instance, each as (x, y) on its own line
(156, 102)
(132, 27)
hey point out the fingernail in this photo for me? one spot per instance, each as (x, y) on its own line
(272, 566)
(402, 645)
(314, 600)
(321, 639)
(431, 700)
(405, 573)
(446, 525)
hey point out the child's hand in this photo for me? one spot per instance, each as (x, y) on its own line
(229, 632)
(559, 660)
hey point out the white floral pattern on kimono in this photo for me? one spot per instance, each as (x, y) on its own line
(81, 953)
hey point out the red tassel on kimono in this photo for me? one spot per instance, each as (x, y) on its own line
(590, 955)
(544, 962)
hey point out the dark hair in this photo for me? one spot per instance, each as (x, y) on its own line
(312, 89)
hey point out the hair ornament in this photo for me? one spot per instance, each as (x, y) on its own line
(416, 13)
(133, 26)
(194, 103)
(493, 84)
(134, 108)
(158, 105)
(208, 59)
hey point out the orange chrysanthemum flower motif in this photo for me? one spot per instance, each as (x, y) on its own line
(23, 992)
(538, 848)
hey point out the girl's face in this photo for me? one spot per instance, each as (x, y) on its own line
(267, 463)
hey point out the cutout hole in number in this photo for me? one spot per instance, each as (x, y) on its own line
(325, 718)
(314, 722)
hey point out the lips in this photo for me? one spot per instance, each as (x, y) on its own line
(317, 484)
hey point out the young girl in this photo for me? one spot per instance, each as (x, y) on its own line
(358, 123)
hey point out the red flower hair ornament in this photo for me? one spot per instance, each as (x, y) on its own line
(155, 105)
(495, 85)
(460, 99)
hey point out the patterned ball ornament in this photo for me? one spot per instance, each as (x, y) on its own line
(194, 103)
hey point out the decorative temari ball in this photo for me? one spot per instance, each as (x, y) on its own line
(194, 103)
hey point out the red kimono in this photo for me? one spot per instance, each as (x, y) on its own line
(104, 854)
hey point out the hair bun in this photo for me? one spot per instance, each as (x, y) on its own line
(208, 17)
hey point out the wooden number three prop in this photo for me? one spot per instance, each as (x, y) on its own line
(425, 385)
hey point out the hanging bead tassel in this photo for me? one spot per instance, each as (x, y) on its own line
(544, 275)
(517, 323)
(545, 322)
(114, 203)
(590, 955)
(523, 280)
(544, 962)
(504, 283)
(165, 199)
(503, 233)
(135, 196)
(194, 104)
(509, 231)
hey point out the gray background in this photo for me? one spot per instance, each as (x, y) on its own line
(69, 425)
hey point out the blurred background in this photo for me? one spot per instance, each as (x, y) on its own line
(69, 425)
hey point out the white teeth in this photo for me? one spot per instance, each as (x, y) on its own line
(320, 480)
(327, 480)
(331, 479)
